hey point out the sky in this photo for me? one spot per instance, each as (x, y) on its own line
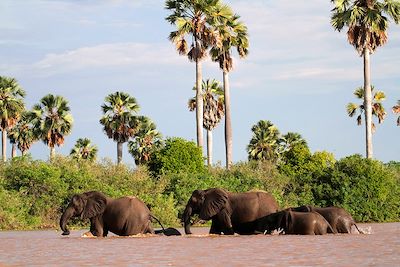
(300, 73)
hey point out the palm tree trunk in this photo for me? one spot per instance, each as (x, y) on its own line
(3, 144)
(228, 123)
(119, 152)
(199, 105)
(13, 151)
(368, 103)
(23, 152)
(52, 152)
(209, 147)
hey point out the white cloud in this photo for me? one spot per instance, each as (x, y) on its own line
(109, 55)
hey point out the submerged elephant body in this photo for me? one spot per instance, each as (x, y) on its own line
(340, 220)
(295, 223)
(230, 212)
(122, 216)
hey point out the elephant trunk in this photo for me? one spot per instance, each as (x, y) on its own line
(186, 219)
(68, 213)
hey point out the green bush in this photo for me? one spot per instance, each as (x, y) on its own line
(39, 184)
(14, 213)
(305, 170)
(178, 155)
(366, 188)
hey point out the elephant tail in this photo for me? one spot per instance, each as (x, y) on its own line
(359, 230)
(155, 218)
(330, 229)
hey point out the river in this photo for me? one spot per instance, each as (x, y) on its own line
(49, 248)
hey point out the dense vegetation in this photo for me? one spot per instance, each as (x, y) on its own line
(33, 192)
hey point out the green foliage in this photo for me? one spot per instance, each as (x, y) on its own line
(304, 168)
(33, 193)
(366, 188)
(13, 211)
(178, 155)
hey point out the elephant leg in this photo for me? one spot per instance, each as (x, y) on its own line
(105, 232)
(96, 227)
(149, 229)
(215, 228)
(226, 223)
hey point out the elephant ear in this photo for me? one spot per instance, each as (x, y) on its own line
(95, 205)
(215, 200)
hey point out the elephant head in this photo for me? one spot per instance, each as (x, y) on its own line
(86, 205)
(205, 203)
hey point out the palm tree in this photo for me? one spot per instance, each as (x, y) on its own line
(377, 108)
(264, 144)
(119, 120)
(11, 107)
(22, 134)
(291, 139)
(84, 149)
(52, 121)
(233, 34)
(367, 24)
(194, 20)
(213, 97)
(396, 110)
(147, 140)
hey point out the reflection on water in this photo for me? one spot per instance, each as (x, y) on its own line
(49, 248)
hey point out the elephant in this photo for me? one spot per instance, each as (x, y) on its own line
(122, 216)
(229, 212)
(340, 220)
(295, 223)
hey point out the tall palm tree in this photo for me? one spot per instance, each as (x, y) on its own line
(367, 22)
(233, 34)
(11, 107)
(84, 149)
(119, 120)
(264, 144)
(377, 108)
(23, 134)
(194, 21)
(291, 139)
(52, 121)
(147, 140)
(213, 97)
(396, 110)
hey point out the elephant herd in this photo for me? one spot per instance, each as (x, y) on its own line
(254, 212)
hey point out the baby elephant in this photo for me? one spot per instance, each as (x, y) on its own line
(295, 223)
(340, 220)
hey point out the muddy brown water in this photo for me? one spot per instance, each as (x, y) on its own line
(49, 248)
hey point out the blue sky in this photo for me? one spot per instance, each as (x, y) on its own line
(300, 73)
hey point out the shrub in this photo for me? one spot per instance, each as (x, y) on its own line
(39, 184)
(178, 155)
(14, 211)
(305, 170)
(366, 188)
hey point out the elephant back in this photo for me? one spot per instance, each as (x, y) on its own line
(252, 205)
(268, 203)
